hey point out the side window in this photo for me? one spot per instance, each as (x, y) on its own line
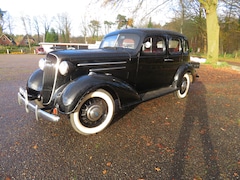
(185, 46)
(147, 45)
(154, 46)
(175, 46)
(160, 45)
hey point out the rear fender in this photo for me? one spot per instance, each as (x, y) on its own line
(185, 68)
(77, 89)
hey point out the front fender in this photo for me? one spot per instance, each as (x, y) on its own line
(77, 89)
(34, 84)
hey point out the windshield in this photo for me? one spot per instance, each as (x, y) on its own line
(129, 41)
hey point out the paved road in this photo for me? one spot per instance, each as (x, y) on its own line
(166, 138)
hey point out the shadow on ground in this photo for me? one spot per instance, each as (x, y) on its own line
(195, 114)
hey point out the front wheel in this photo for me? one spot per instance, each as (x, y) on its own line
(184, 87)
(94, 113)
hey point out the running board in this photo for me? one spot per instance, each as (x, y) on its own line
(157, 93)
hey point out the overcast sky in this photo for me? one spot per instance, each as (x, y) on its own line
(77, 10)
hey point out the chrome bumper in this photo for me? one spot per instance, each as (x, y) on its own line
(39, 113)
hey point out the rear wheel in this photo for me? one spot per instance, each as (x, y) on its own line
(94, 113)
(184, 87)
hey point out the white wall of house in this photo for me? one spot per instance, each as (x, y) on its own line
(48, 47)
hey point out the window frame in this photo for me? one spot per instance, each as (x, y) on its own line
(176, 49)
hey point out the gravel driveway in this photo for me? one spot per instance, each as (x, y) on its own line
(165, 138)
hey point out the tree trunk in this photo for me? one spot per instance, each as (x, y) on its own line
(210, 7)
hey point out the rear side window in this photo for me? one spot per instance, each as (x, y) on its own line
(185, 46)
(175, 46)
(160, 45)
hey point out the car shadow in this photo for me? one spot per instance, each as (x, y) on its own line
(119, 114)
(195, 113)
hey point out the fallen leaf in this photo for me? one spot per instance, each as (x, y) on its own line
(167, 123)
(149, 143)
(109, 164)
(157, 169)
(17, 143)
(197, 178)
(147, 139)
(160, 146)
(235, 175)
(7, 178)
(104, 171)
(35, 146)
(203, 131)
(55, 134)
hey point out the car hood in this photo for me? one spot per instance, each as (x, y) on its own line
(93, 55)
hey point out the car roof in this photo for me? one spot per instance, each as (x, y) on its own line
(147, 31)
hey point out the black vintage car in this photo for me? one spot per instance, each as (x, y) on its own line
(131, 66)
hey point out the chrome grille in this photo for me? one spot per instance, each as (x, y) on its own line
(49, 78)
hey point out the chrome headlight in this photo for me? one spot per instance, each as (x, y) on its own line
(64, 68)
(41, 63)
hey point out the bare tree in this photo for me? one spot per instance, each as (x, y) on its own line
(46, 23)
(1, 20)
(64, 26)
(229, 25)
(36, 26)
(7, 23)
(84, 29)
(233, 7)
(27, 27)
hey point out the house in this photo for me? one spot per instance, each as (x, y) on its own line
(6, 40)
(25, 41)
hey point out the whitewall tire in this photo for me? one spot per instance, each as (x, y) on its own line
(184, 87)
(94, 113)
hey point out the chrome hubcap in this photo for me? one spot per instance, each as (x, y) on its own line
(183, 86)
(94, 112)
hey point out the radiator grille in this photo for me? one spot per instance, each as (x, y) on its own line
(49, 78)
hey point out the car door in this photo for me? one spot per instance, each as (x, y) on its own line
(174, 57)
(151, 71)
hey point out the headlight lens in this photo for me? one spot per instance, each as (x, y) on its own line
(41, 63)
(64, 68)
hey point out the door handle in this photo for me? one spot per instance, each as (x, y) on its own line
(168, 60)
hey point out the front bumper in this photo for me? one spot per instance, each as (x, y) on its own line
(39, 113)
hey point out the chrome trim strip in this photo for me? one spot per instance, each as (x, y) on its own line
(102, 63)
(39, 113)
(104, 69)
